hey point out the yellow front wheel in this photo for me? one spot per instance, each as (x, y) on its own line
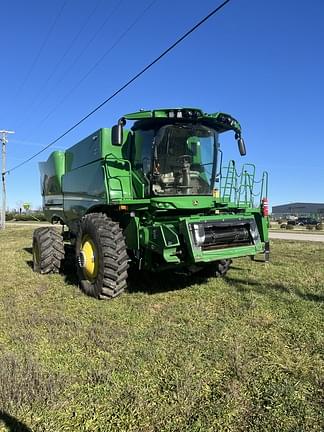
(101, 256)
(89, 258)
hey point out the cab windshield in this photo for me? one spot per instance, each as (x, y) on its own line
(184, 160)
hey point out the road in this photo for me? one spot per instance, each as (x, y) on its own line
(28, 224)
(296, 236)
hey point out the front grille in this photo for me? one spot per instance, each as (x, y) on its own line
(224, 234)
(219, 237)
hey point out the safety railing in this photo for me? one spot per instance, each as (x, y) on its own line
(242, 188)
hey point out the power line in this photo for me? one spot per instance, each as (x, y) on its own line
(36, 100)
(96, 64)
(115, 9)
(62, 76)
(135, 77)
(77, 58)
(50, 31)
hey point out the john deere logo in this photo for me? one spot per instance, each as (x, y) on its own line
(195, 202)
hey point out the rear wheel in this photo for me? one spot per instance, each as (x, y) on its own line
(101, 254)
(48, 250)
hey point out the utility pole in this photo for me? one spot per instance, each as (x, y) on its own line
(4, 141)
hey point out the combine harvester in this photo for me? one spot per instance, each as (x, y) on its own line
(154, 196)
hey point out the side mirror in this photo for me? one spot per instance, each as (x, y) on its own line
(241, 146)
(117, 132)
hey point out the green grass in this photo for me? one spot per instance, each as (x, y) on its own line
(244, 353)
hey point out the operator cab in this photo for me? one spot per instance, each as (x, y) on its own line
(176, 152)
(178, 159)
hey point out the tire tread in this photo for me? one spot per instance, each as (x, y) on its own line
(112, 278)
(51, 250)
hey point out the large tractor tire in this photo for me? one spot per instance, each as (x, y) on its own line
(48, 250)
(101, 256)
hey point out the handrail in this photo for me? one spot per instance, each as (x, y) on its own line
(264, 184)
(114, 158)
(239, 188)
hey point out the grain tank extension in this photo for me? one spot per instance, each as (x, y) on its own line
(155, 196)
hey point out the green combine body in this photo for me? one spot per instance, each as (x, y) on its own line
(154, 196)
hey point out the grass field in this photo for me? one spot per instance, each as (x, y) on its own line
(177, 354)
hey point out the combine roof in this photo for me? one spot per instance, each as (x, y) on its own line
(219, 121)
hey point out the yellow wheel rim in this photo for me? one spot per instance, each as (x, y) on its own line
(89, 258)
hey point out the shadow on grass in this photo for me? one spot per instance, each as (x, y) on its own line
(30, 251)
(68, 270)
(242, 285)
(167, 281)
(153, 283)
(139, 281)
(12, 423)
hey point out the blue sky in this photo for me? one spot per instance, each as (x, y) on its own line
(261, 61)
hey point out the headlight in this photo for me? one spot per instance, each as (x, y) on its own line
(198, 232)
(254, 232)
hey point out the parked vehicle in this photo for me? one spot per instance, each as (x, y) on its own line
(307, 221)
(303, 221)
(155, 196)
